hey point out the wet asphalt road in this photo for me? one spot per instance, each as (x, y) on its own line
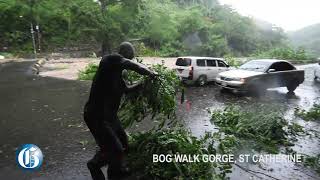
(48, 112)
(45, 112)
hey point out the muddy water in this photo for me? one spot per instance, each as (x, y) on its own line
(197, 119)
(47, 112)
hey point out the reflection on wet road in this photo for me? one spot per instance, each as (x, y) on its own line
(48, 112)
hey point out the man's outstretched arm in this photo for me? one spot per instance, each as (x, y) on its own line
(137, 67)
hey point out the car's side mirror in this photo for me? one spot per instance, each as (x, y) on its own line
(229, 66)
(271, 70)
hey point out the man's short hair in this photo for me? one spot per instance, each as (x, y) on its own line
(127, 50)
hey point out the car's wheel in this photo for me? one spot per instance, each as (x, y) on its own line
(202, 80)
(292, 86)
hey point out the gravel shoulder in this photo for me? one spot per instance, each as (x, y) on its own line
(69, 68)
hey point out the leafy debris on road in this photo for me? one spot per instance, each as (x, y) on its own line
(173, 142)
(311, 115)
(263, 126)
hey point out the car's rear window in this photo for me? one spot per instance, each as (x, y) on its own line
(183, 62)
(282, 66)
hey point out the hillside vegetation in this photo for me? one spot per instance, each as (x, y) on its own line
(309, 38)
(157, 27)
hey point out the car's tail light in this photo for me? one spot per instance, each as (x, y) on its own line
(190, 73)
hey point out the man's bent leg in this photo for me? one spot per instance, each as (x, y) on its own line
(96, 163)
(116, 168)
(122, 135)
(109, 144)
(110, 153)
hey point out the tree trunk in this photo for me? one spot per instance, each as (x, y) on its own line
(105, 48)
(103, 4)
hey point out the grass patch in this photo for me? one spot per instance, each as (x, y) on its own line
(88, 72)
(7, 55)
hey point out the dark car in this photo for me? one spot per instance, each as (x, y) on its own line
(259, 75)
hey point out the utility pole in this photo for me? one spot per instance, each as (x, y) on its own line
(38, 37)
(31, 3)
(33, 41)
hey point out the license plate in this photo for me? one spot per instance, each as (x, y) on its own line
(223, 84)
(180, 70)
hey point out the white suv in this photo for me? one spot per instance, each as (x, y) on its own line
(200, 69)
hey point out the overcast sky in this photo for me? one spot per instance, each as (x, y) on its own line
(288, 14)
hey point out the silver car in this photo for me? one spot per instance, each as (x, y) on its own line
(259, 75)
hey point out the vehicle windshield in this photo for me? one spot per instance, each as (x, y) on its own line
(259, 66)
(183, 62)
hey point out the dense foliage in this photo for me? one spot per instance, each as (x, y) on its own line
(158, 27)
(284, 53)
(156, 99)
(263, 126)
(308, 37)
